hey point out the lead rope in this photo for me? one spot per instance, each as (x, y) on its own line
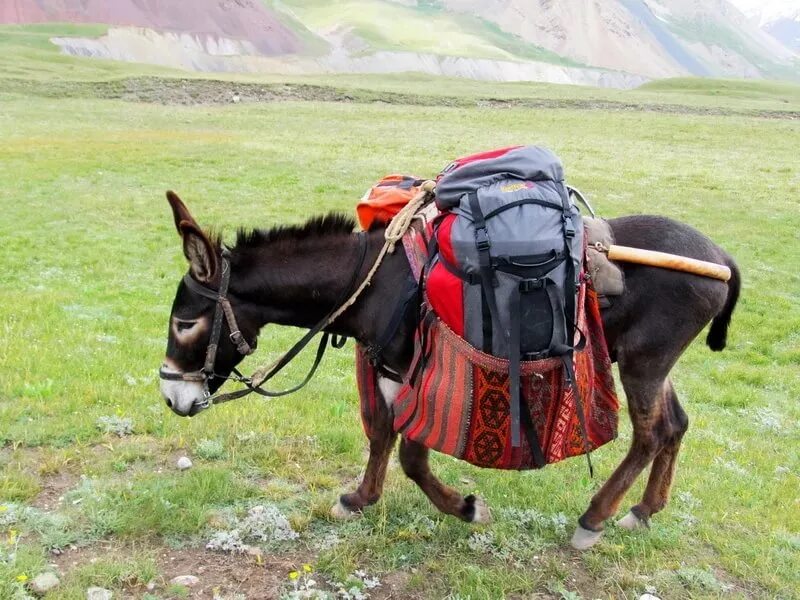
(395, 230)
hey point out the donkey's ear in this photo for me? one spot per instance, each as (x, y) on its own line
(179, 211)
(199, 251)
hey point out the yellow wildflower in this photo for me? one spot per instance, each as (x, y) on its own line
(293, 575)
(307, 568)
(22, 578)
(3, 508)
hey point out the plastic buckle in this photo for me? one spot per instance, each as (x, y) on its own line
(528, 285)
(569, 227)
(482, 241)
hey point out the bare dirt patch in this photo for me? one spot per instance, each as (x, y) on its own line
(221, 574)
(53, 489)
(226, 574)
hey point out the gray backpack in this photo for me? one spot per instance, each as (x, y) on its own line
(513, 237)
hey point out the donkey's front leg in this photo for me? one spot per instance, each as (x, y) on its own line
(414, 460)
(381, 442)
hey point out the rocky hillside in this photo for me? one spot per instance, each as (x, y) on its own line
(248, 21)
(612, 43)
(654, 38)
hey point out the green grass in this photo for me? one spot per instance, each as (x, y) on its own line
(90, 264)
(738, 89)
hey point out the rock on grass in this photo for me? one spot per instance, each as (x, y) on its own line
(97, 593)
(120, 426)
(185, 580)
(44, 582)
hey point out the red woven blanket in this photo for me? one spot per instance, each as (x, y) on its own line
(459, 402)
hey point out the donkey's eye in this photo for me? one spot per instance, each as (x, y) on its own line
(185, 325)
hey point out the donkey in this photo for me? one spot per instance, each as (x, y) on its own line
(294, 275)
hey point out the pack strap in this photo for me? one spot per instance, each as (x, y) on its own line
(483, 245)
(407, 299)
(514, 358)
(569, 375)
(469, 278)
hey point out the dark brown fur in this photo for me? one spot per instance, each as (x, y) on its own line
(293, 276)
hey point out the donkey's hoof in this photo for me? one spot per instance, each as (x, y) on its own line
(631, 522)
(341, 513)
(583, 539)
(482, 513)
(474, 510)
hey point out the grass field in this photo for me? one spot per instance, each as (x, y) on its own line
(90, 264)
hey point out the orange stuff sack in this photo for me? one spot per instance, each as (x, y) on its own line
(386, 198)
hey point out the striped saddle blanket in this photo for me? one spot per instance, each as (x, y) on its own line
(456, 398)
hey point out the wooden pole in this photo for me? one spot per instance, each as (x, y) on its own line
(669, 261)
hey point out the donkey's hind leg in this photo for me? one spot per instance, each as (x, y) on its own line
(414, 460)
(645, 404)
(381, 442)
(656, 495)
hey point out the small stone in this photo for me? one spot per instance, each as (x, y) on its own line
(184, 463)
(98, 593)
(648, 596)
(185, 580)
(44, 582)
(151, 585)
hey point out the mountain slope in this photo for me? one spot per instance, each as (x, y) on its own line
(655, 38)
(615, 43)
(243, 20)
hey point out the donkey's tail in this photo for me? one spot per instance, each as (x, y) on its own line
(718, 333)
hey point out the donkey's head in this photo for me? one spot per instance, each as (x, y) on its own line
(210, 329)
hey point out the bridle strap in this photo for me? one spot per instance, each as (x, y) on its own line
(393, 234)
(223, 308)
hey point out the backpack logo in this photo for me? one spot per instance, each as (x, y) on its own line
(515, 187)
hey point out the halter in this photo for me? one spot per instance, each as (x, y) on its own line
(223, 308)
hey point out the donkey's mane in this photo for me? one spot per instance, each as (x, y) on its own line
(332, 224)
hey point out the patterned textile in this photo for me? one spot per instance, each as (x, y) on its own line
(459, 402)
